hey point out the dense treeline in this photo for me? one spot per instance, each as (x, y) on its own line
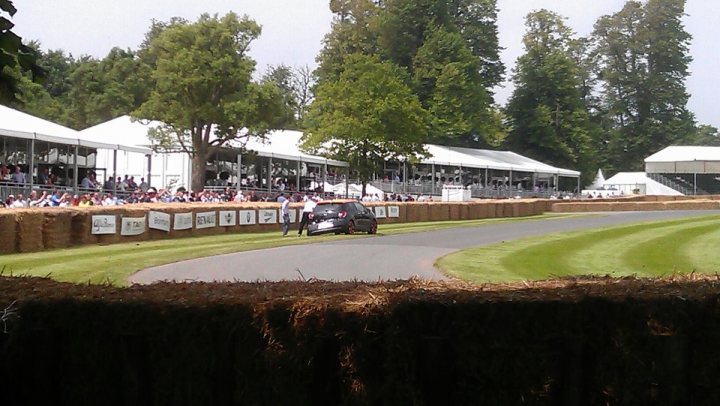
(606, 100)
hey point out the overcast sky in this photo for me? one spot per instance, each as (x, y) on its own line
(293, 30)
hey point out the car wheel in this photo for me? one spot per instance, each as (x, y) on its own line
(373, 227)
(351, 227)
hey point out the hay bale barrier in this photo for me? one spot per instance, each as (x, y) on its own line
(569, 342)
(8, 231)
(53, 228)
(30, 230)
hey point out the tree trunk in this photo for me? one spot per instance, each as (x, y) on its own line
(197, 183)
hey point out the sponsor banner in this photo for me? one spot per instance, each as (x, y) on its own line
(247, 217)
(267, 216)
(205, 220)
(293, 216)
(132, 225)
(228, 218)
(182, 221)
(393, 211)
(159, 221)
(103, 225)
(380, 212)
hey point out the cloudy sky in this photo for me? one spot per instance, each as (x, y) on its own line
(293, 30)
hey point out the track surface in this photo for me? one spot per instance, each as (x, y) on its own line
(378, 258)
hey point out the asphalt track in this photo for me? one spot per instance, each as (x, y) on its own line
(392, 257)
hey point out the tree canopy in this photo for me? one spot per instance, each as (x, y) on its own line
(367, 116)
(204, 92)
(16, 58)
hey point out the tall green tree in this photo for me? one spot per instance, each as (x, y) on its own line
(449, 84)
(367, 116)
(548, 116)
(643, 58)
(15, 57)
(204, 91)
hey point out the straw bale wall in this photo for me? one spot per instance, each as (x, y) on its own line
(29, 230)
(8, 232)
(568, 342)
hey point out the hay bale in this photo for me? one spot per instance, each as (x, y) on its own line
(30, 230)
(454, 211)
(174, 210)
(110, 238)
(81, 228)
(525, 209)
(8, 231)
(508, 209)
(412, 211)
(439, 211)
(492, 209)
(57, 228)
(465, 211)
(205, 230)
(423, 212)
(600, 207)
(481, 210)
(131, 211)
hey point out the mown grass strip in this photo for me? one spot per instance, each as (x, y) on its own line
(648, 249)
(115, 263)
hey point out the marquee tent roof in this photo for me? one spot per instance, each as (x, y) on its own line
(278, 144)
(652, 187)
(16, 124)
(483, 158)
(685, 154)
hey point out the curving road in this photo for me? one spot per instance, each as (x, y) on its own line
(379, 258)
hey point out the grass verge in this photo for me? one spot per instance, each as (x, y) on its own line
(113, 264)
(646, 250)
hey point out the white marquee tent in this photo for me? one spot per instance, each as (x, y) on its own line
(628, 182)
(684, 159)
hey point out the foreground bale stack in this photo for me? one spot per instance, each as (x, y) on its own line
(30, 230)
(58, 228)
(8, 231)
(567, 342)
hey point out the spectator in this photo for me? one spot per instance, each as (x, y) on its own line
(285, 211)
(18, 176)
(144, 186)
(89, 182)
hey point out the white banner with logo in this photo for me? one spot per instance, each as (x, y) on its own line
(393, 211)
(293, 215)
(159, 221)
(182, 221)
(266, 216)
(205, 220)
(103, 225)
(247, 217)
(228, 218)
(132, 225)
(380, 212)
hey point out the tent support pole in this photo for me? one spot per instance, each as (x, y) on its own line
(75, 169)
(324, 177)
(31, 169)
(432, 191)
(239, 172)
(578, 186)
(297, 176)
(269, 174)
(149, 172)
(114, 178)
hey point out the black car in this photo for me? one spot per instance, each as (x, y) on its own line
(341, 216)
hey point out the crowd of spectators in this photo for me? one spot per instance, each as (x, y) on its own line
(60, 198)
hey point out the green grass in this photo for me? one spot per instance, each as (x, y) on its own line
(647, 250)
(115, 263)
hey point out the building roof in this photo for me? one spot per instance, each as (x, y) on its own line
(652, 187)
(16, 124)
(685, 154)
(490, 159)
(278, 144)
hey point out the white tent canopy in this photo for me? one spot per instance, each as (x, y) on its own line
(16, 124)
(278, 144)
(628, 182)
(482, 158)
(599, 181)
(684, 159)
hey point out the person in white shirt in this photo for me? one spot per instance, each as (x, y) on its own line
(307, 209)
